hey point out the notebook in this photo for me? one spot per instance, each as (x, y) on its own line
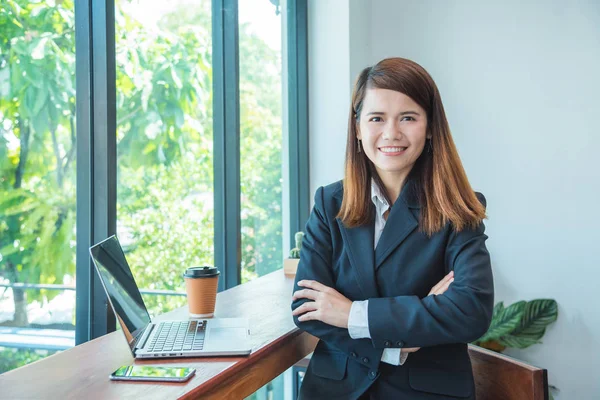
(164, 339)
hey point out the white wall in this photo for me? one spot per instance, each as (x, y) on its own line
(329, 88)
(521, 88)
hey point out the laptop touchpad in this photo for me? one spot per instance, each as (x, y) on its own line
(227, 337)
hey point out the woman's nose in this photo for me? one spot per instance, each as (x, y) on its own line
(392, 131)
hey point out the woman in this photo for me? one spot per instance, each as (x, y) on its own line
(403, 220)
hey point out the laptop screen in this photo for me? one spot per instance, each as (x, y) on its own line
(121, 289)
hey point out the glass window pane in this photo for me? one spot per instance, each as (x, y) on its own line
(260, 137)
(164, 142)
(37, 180)
(261, 147)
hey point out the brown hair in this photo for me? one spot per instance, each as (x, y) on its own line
(441, 184)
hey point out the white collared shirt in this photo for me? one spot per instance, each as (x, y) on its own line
(358, 320)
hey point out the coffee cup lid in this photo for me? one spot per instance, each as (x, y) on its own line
(201, 272)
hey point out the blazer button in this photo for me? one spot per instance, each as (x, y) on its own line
(387, 343)
(372, 374)
(400, 343)
(365, 360)
(353, 355)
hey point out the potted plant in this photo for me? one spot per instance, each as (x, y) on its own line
(290, 265)
(520, 325)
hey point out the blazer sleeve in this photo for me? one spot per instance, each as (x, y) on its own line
(461, 315)
(316, 264)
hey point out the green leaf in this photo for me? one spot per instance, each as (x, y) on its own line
(40, 99)
(537, 315)
(33, 219)
(20, 208)
(40, 122)
(8, 197)
(504, 320)
(8, 250)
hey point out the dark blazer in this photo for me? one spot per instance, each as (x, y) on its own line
(396, 278)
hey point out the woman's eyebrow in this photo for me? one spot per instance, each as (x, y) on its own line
(409, 112)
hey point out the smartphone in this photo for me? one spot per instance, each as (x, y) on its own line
(152, 373)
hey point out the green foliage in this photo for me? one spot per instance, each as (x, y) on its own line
(520, 325)
(172, 229)
(37, 110)
(164, 92)
(14, 358)
(504, 320)
(537, 315)
(260, 154)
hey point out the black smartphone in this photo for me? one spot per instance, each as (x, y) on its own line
(152, 373)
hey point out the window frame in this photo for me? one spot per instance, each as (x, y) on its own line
(96, 158)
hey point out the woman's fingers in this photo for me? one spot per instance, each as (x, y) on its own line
(410, 349)
(313, 285)
(442, 282)
(308, 306)
(305, 294)
(444, 287)
(445, 281)
(308, 316)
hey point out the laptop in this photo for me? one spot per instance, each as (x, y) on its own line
(164, 339)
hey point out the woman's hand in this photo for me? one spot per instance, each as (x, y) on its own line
(443, 285)
(439, 288)
(328, 305)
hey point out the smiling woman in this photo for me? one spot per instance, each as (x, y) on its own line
(404, 88)
(394, 261)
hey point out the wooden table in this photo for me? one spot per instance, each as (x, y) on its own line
(82, 372)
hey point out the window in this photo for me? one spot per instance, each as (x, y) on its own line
(37, 180)
(261, 144)
(164, 143)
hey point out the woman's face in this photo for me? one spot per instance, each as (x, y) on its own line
(392, 130)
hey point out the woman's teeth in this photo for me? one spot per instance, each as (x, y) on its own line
(392, 149)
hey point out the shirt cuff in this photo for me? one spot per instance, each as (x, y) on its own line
(358, 320)
(394, 356)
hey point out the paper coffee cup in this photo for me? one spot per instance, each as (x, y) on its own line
(201, 286)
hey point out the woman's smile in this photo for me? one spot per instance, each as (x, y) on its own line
(390, 151)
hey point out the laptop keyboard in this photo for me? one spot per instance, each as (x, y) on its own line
(179, 336)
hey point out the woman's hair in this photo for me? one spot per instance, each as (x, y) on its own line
(440, 181)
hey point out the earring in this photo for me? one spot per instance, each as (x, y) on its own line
(358, 142)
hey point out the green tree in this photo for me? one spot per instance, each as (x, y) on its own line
(37, 111)
(164, 99)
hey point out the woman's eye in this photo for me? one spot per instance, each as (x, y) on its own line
(376, 119)
(408, 119)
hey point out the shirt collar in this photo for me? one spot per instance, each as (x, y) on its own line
(378, 198)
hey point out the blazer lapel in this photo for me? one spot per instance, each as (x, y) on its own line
(400, 223)
(359, 242)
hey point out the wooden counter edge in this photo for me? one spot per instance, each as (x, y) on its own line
(249, 375)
